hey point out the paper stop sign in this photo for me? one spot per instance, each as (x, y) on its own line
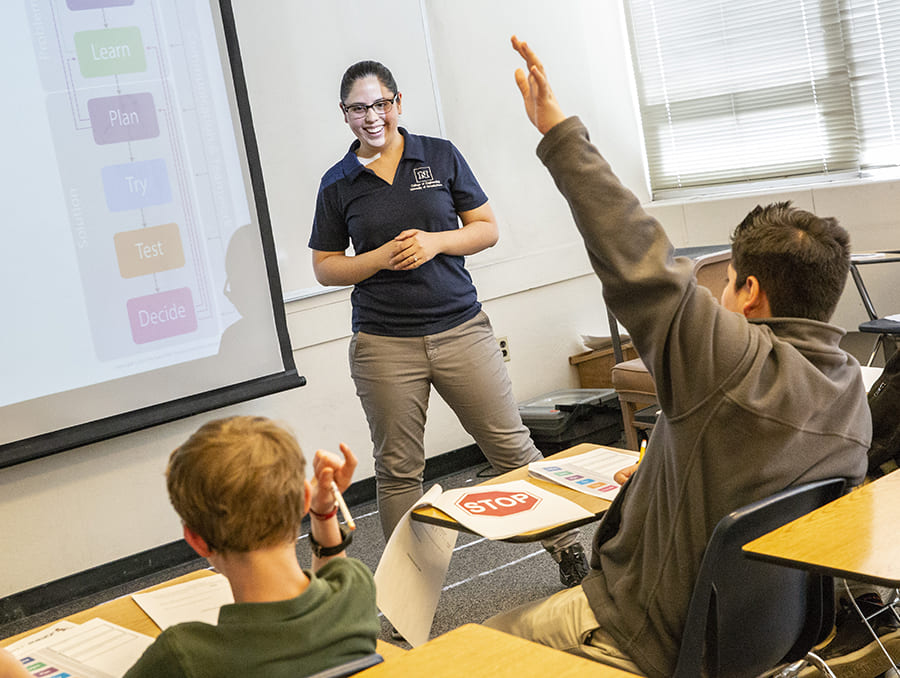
(497, 503)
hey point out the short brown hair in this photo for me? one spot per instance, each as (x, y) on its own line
(239, 483)
(800, 260)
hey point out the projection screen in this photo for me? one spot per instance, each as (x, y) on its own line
(138, 272)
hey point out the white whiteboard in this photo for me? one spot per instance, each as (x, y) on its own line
(294, 55)
(454, 65)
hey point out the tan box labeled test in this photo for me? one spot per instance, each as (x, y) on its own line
(149, 250)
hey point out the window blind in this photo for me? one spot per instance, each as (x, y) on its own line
(873, 31)
(765, 89)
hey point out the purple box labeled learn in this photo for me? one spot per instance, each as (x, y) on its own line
(163, 315)
(96, 4)
(127, 117)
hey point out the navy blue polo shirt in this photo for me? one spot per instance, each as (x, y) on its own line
(432, 183)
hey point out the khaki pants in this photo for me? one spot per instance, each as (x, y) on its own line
(566, 622)
(394, 376)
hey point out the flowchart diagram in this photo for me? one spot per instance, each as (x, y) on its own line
(135, 113)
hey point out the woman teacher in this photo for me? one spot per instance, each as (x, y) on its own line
(399, 199)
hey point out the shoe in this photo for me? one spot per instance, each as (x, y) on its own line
(573, 565)
(851, 633)
(852, 652)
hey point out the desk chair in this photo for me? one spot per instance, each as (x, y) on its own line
(350, 668)
(632, 381)
(747, 617)
(887, 330)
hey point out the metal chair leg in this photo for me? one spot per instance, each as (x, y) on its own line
(875, 348)
(793, 670)
(865, 621)
(820, 664)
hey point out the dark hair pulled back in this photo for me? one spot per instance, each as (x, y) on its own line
(364, 69)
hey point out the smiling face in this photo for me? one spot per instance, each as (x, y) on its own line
(375, 132)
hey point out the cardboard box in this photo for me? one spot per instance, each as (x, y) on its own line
(594, 367)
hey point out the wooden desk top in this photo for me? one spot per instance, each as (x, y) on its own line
(125, 612)
(855, 536)
(475, 650)
(595, 505)
(122, 611)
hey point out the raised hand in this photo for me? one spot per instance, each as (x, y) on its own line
(328, 470)
(540, 103)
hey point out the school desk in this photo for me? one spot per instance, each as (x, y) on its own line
(876, 324)
(854, 536)
(596, 505)
(475, 650)
(127, 613)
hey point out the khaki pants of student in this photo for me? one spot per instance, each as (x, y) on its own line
(566, 622)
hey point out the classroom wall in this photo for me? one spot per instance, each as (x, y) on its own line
(86, 507)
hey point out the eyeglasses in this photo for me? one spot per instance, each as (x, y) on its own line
(381, 107)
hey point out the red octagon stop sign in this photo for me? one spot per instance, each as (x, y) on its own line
(497, 503)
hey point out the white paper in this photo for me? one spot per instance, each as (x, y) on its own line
(45, 659)
(195, 600)
(95, 649)
(42, 637)
(870, 375)
(895, 318)
(600, 343)
(591, 473)
(411, 572)
(503, 510)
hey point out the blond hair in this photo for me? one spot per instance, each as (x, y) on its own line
(239, 483)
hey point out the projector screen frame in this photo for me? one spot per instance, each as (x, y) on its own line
(104, 428)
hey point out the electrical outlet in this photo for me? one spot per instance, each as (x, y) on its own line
(503, 343)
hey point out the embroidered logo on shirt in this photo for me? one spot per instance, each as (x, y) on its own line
(423, 179)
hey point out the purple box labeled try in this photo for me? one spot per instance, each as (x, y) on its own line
(134, 185)
(163, 315)
(96, 4)
(126, 117)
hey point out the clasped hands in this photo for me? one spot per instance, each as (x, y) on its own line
(410, 249)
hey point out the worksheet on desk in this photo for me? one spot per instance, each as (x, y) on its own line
(195, 600)
(41, 638)
(591, 473)
(95, 649)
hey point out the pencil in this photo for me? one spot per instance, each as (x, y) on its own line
(640, 454)
(344, 510)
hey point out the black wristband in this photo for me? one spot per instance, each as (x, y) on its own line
(320, 551)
